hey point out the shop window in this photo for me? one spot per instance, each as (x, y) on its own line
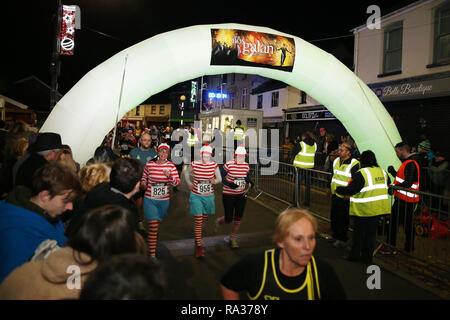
(393, 42)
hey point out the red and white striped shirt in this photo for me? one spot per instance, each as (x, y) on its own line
(157, 182)
(236, 173)
(202, 174)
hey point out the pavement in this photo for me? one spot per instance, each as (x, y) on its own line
(189, 278)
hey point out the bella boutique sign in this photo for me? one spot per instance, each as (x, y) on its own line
(413, 90)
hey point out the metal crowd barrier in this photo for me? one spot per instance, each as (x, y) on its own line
(428, 227)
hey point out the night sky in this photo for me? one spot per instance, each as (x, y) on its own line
(28, 37)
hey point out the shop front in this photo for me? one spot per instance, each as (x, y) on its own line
(419, 106)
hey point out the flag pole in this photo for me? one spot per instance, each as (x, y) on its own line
(120, 100)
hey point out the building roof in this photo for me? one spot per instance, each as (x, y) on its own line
(269, 86)
(33, 92)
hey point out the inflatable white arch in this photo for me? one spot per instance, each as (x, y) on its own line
(89, 110)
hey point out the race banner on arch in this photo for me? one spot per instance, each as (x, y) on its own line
(253, 49)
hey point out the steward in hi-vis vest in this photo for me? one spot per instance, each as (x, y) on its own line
(342, 174)
(373, 199)
(369, 199)
(344, 167)
(405, 203)
(400, 178)
(239, 131)
(305, 157)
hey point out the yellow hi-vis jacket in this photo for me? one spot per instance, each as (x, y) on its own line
(372, 200)
(342, 174)
(305, 158)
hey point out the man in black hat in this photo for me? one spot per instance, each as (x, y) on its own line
(46, 149)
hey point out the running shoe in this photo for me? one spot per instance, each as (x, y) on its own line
(233, 243)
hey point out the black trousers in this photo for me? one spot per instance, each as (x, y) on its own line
(340, 218)
(364, 238)
(304, 177)
(402, 213)
(234, 206)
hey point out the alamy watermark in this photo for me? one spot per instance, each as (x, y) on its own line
(374, 20)
(374, 280)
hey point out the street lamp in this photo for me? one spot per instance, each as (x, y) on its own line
(182, 99)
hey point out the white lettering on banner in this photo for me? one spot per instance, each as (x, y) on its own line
(252, 49)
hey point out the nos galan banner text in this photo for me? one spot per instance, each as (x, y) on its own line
(250, 48)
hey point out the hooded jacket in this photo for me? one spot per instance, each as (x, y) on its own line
(51, 279)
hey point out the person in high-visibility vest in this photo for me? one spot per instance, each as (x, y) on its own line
(305, 156)
(369, 200)
(344, 167)
(239, 134)
(305, 152)
(288, 272)
(405, 203)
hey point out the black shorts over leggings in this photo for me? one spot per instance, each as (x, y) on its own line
(234, 206)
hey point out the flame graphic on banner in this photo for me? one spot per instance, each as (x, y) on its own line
(238, 47)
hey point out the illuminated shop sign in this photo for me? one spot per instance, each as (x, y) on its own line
(217, 95)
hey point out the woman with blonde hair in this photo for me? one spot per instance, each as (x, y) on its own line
(94, 174)
(289, 271)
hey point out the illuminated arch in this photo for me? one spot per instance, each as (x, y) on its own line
(88, 111)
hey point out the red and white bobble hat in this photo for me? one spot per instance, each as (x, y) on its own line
(240, 151)
(164, 146)
(206, 149)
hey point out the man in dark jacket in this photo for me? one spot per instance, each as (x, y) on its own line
(45, 149)
(405, 202)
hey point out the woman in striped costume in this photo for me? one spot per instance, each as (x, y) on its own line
(205, 173)
(236, 177)
(157, 177)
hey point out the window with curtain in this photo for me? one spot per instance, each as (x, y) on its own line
(393, 40)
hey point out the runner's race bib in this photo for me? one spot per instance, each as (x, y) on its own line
(124, 147)
(159, 190)
(241, 183)
(204, 187)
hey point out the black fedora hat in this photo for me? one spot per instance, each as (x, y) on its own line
(46, 141)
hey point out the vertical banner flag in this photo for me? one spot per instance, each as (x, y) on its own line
(66, 34)
(253, 49)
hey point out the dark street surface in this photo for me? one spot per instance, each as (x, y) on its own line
(191, 278)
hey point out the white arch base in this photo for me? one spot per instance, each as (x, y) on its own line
(88, 111)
